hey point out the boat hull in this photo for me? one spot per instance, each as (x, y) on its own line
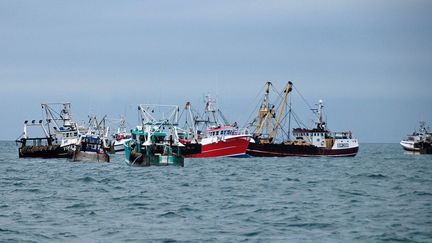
(417, 147)
(49, 151)
(117, 146)
(149, 158)
(138, 159)
(409, 146)
(90, 156)
(284, 150)
(230, 147)
(425, 148)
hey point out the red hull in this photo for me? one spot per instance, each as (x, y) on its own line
(230, 147)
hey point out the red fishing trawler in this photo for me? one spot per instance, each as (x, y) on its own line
(217, 137)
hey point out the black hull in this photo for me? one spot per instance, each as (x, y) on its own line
(51, 151)
(138, 159)
(425, 148)
(190, 149)
(284, 150)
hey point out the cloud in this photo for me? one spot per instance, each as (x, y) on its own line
(108, 53)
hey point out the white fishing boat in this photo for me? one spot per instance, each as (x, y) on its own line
(120, 137)
(59, 133)
(44, 146)
(66, 131)
(417, 141)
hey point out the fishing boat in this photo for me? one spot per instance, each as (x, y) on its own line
(151, 148)
(39, 147)
(419, 141)
(90, 148)
(155, 141)
(59, 132)
(216, 135)
(65, 130)
(315, 141)
(94, 145)
(120, 137)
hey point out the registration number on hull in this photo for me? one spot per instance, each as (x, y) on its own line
(342, 145)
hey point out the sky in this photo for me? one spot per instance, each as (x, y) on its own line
(369, 61)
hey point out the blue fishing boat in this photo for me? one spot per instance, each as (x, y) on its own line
(90, 148)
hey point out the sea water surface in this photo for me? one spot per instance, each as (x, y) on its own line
(383, 194)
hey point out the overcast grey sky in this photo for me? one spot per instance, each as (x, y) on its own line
(370, 61)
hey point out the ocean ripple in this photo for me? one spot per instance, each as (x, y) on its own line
(380, 195)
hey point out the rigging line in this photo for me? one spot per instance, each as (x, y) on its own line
(282, 120)
(181, 114)
(283, 131)
(314, 111)
(298, 120)
(259, 103)
(276, 91)
(307, 103)
(279, 98)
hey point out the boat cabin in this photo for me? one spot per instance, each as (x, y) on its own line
(316, 137)
(91, 143)
(221, 131)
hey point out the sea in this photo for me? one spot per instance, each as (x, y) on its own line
(382, 195)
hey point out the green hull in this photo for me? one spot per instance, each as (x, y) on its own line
(147, 158)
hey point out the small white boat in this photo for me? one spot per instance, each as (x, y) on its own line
(415, 142)
(120, 138)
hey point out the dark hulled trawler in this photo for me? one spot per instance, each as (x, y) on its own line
(316, 141)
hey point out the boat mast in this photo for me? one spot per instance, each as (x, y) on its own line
(263, 111)
(286, 91)
(320, 123)
(210, 110)
(193, 121)
(65, 115)
(289, 120)
(122, 125)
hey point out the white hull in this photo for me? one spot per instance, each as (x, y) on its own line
(119, 145)
(409, 145)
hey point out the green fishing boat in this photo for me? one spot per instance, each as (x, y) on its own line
(147, 149)
(156, 140)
